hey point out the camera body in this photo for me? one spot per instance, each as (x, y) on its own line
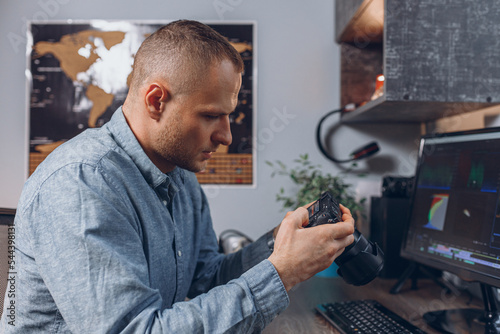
(362, 260)
(326, 210)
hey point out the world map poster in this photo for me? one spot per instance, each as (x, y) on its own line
(78, 77)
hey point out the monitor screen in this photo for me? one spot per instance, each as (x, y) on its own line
(454, 222)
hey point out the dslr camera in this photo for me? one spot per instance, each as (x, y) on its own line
(362, 260)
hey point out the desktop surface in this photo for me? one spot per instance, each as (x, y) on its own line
(300, 316)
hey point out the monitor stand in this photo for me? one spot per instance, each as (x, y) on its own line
(468, 320)
(412, 272)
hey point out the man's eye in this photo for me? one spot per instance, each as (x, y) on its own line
(212, 117)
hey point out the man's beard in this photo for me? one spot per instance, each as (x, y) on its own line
(171, 147)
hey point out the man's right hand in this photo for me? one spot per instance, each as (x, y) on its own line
(299, 253)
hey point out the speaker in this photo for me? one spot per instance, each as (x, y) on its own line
(397, 186)
(388, 218)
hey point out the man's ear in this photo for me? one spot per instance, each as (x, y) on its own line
(155, 99)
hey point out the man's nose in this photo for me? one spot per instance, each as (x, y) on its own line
(223, 134)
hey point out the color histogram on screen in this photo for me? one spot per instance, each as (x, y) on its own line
(437, 212)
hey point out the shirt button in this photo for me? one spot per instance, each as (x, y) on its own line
(165, 203)
(179, 253)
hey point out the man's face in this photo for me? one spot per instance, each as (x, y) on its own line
(195, 124)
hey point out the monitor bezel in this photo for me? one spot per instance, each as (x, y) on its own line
(411, 255)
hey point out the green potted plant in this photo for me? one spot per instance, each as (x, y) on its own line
(312, 182)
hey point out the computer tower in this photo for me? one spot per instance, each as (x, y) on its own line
(388, 217)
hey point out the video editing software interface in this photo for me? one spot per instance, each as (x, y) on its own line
(456, 213)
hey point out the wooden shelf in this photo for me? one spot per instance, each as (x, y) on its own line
(437, 60)
(362, 22)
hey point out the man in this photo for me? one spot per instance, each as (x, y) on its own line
(113, 231)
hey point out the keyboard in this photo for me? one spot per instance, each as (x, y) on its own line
(365, 316)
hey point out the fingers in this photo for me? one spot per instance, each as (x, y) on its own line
(304, 207)
(339, 230)
(344, 209)
(346, 214)
(297, 218)
(344, 242)
(341, 241)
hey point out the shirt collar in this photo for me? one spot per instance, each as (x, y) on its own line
(125, 138)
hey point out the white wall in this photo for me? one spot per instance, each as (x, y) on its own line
(298, 72)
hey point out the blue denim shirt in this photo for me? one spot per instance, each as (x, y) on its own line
(107, 243)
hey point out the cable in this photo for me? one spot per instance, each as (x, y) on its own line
(358, 154)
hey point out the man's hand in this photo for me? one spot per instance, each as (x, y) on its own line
(299, 253)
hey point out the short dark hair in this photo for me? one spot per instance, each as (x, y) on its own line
(183, 51)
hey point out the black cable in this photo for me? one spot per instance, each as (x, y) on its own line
(360, 153)
(318, 137)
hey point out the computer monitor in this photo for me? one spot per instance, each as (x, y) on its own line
(454, 222)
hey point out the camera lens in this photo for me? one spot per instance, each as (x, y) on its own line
(361, 261)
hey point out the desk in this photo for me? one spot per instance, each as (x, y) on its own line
(300, 317)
